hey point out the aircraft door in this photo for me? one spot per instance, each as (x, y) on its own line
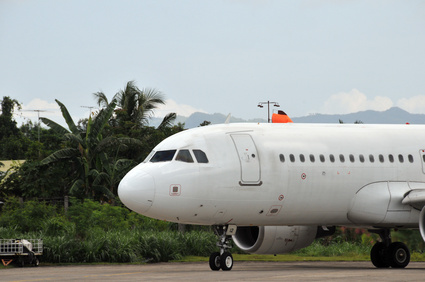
(422, 153)
(249, 160)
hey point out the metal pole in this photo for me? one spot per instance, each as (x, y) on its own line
(268, 111)
(260, 104)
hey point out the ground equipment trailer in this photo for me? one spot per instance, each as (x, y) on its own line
(21, 251)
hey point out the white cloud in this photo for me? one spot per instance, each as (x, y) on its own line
(172, 106)
(354, 101)
(414, 105)
(35, 108)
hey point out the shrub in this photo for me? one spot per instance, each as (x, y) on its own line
(26, 217)
(57, 226)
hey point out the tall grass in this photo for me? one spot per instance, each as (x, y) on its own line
(120, 246)
(94, 232)
(334, 249)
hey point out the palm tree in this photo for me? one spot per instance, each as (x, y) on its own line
(135, 106)
(87, 152)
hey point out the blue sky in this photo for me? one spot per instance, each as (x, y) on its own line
(322, 56)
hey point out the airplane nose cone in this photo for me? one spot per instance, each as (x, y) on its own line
(137, 191)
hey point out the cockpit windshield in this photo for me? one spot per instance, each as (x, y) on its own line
(200, 156)
(149, 157)
(163, 156)
(183, 155)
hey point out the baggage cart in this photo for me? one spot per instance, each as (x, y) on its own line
(21, 251)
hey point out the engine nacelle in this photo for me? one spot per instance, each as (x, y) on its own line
(274, 239)
(421, 223)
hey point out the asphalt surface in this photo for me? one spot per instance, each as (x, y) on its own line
(246, 271)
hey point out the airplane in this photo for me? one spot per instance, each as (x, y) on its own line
(273, 188)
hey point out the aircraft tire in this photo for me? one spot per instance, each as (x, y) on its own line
(226, 261)
(398, 255)
(215, 261)
(378, 256)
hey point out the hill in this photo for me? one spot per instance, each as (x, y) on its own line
(393, 115)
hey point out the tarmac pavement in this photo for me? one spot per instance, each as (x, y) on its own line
(200, 271)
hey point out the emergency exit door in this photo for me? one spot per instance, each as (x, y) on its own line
(248, 159)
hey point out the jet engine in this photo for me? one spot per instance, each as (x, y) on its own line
(277, 239)
(422, 223)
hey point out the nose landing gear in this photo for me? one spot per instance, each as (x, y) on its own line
(386, 254)
(223, 259)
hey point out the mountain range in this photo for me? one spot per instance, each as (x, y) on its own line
(393, 115)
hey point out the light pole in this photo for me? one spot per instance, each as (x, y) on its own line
(260, 105)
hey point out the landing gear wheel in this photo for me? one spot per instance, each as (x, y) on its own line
(378, 255)
(215, 261)
(226, 261)
(398, 255)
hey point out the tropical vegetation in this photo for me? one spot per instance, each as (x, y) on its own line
(87, 159)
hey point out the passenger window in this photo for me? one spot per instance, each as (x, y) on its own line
(312, 158)
(361, 158)
(163, 156)
(184, 156)
(342, 158)
(381, 158)
(391, 158)
(322, 158)
(292, 158)
(332, 158)
(352, 158)
(371, 158)
(400, 158)
(410, 158)
(302, 158)
(200, 156)
(282, 158)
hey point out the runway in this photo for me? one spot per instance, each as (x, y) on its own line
(247, 271)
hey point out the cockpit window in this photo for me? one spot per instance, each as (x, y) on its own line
(149, 156)
(184, 156)
(200, 156)
(163, 156)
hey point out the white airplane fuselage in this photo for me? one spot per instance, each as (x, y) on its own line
(283, 174)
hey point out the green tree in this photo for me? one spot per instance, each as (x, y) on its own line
(13, 143)
(50, 141)
(32, 180)
(87, 154)
(132, 114)
(134, 106)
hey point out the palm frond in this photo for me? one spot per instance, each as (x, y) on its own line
(77, 187)
(66, 153)
(100, 121)
(99, 177)
(101, 99)
(54, 126)
(103, 190)
(167, 121)
(75, 139)
(118, 143)
(148, 100)
(69, 121)
(121, 167)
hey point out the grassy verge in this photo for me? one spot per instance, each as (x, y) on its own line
(292, 257)
(284, 257)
